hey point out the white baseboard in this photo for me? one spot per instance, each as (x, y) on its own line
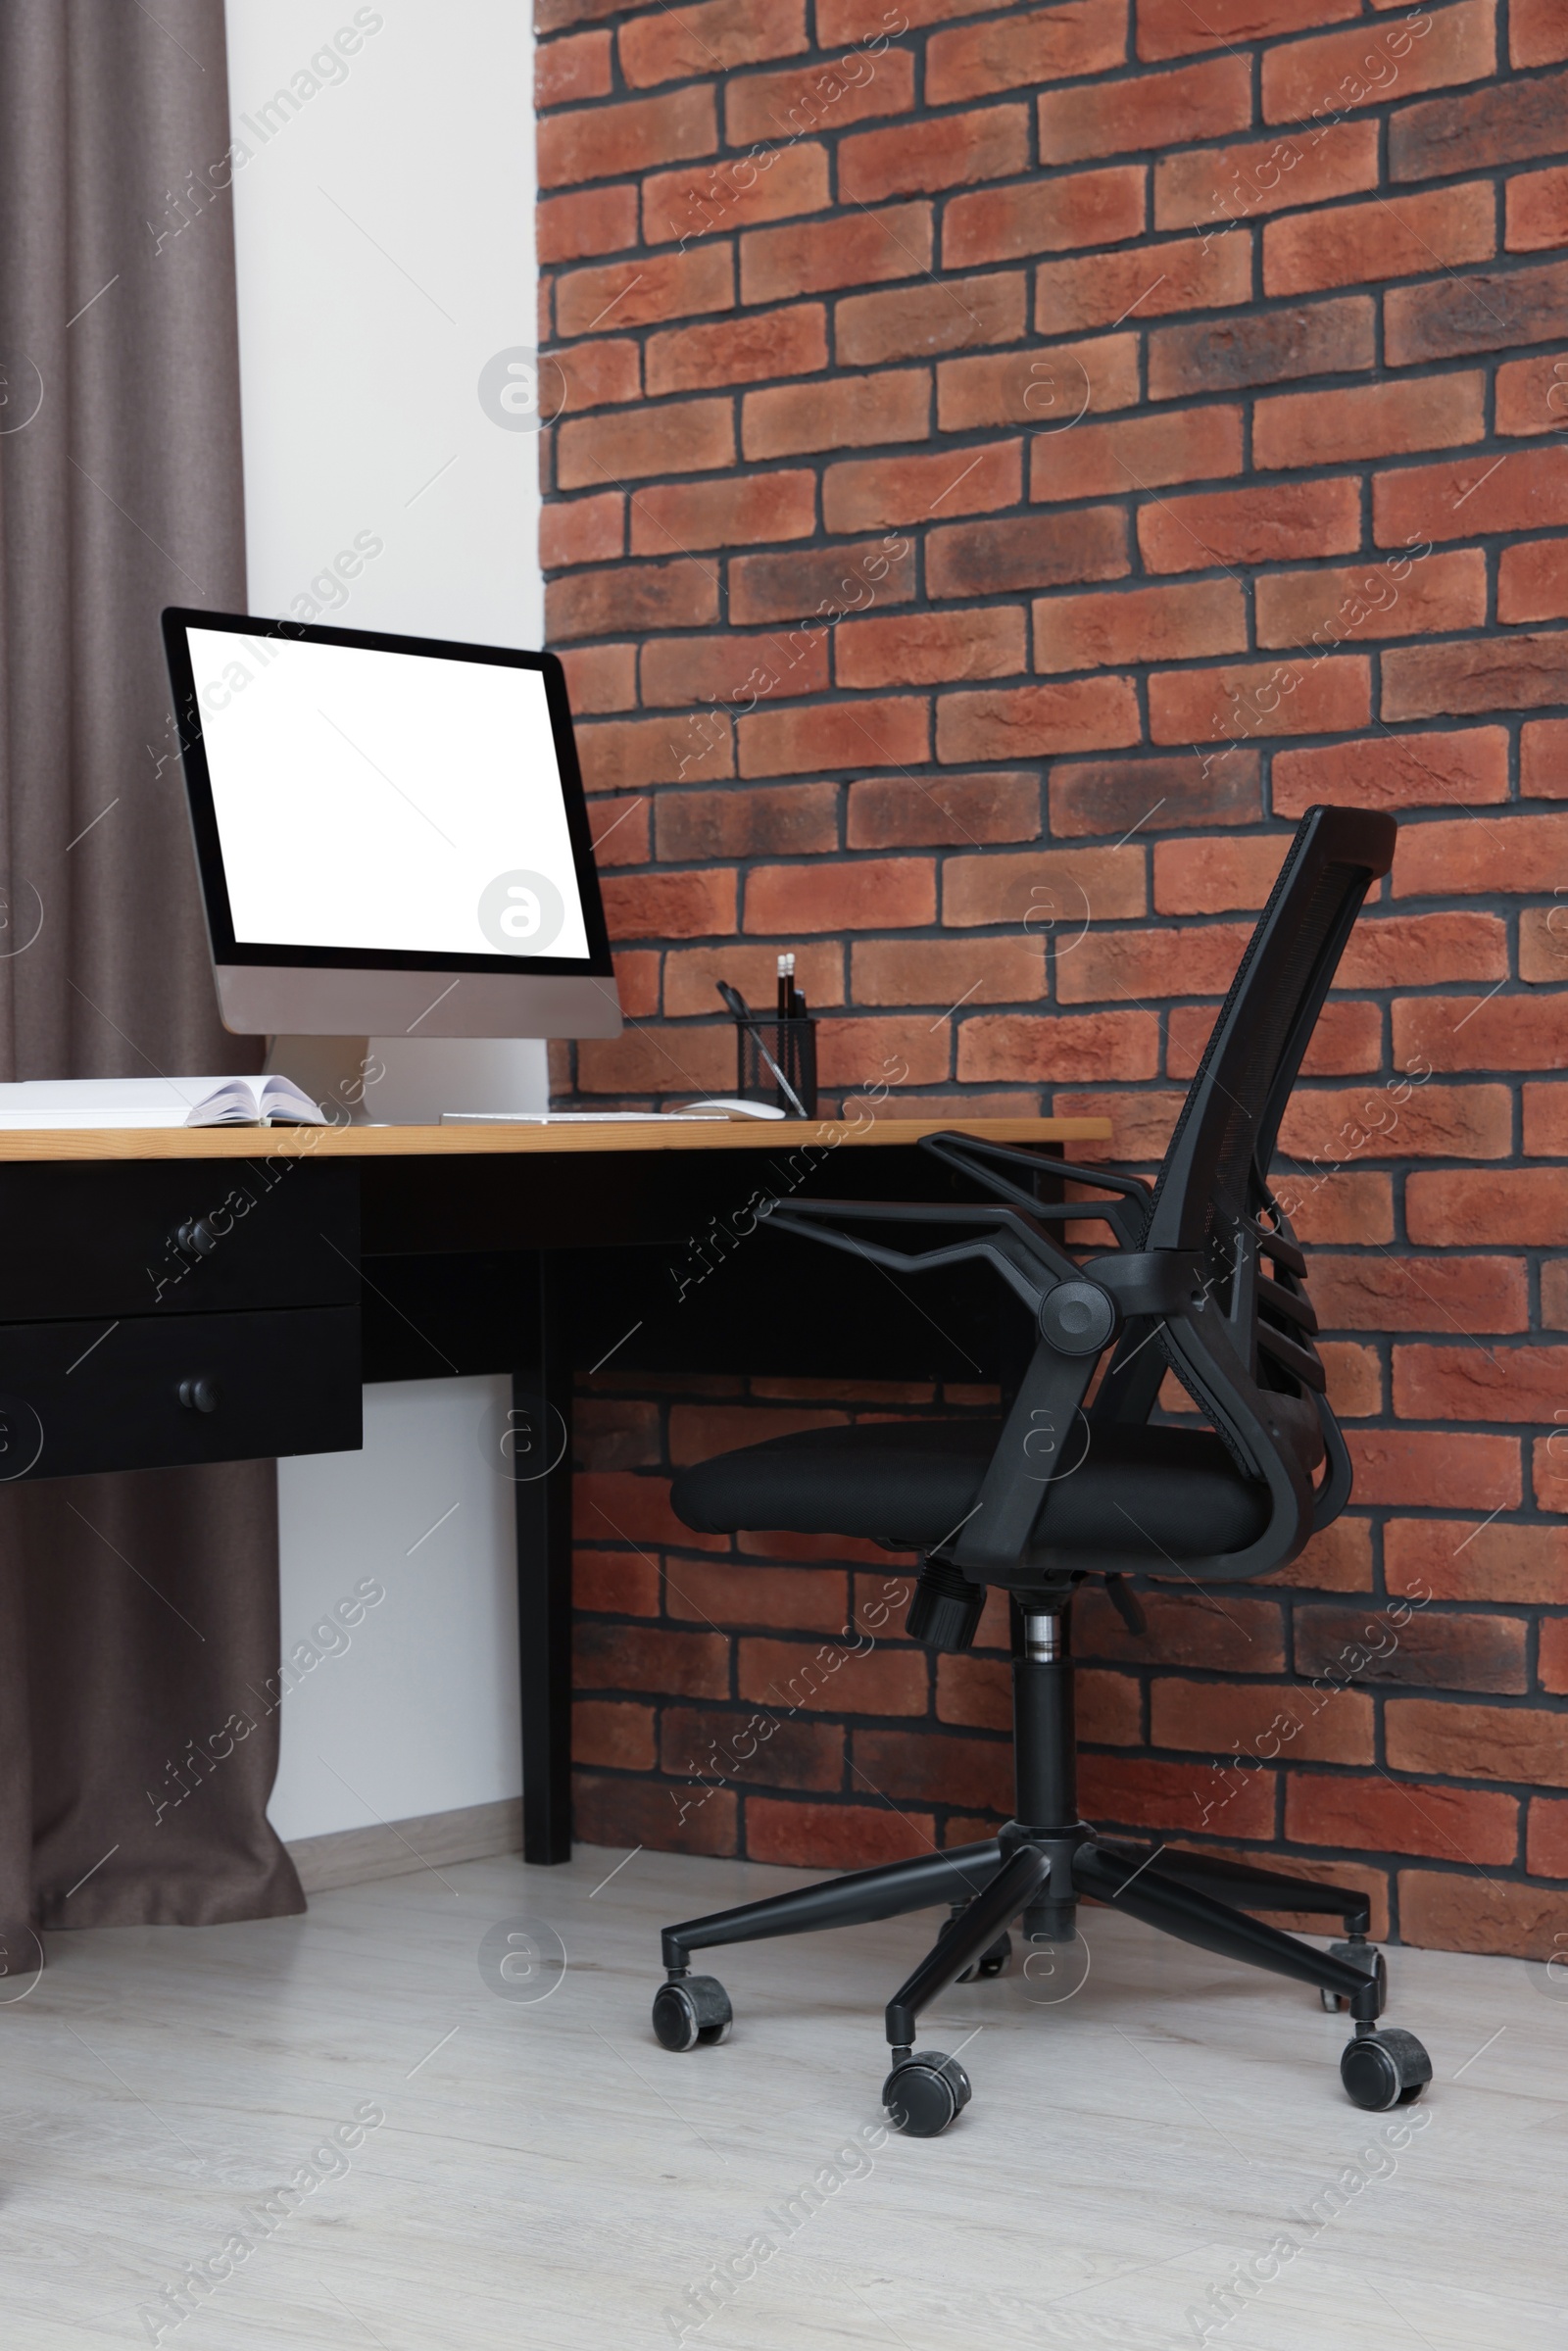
(396, 1849)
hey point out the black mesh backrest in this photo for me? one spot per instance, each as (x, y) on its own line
(1215, 1169)
(1245, 1351)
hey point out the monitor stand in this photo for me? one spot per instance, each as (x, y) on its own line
(409, 1081)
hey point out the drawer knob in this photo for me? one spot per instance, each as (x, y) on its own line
(196, 1236)
(199, 1394)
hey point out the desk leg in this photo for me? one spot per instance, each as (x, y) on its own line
(541, 1392)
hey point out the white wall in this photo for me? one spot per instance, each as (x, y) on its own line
(414, 1709)
(384, 225)
(385, 237)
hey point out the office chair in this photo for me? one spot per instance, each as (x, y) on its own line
(1204, 1278)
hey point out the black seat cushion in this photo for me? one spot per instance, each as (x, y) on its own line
(1164, 1492)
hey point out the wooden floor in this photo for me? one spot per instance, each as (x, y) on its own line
(545, 2176)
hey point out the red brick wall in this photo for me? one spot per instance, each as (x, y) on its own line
(1013, 462)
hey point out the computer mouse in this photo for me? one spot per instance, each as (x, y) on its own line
(733, 1104)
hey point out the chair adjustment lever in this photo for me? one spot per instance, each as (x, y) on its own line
(945, 1609)
(1128, 1606)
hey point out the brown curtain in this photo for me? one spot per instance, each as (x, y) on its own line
(138, 1614)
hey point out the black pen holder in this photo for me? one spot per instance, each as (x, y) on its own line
(766, 1050)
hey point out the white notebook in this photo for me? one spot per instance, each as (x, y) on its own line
(202, 1102)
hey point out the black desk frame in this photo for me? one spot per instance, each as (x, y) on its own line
(393, 1263)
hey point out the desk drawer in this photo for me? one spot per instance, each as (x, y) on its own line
(78, 1396)
(104, 1238)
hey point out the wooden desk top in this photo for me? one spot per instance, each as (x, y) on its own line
(443, 1142)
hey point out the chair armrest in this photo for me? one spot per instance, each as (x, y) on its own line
(1029, 1262)
(1135, 1187)
(983, 1162)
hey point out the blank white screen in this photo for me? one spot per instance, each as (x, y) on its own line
(373, 799)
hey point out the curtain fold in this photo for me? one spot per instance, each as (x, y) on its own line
(138, 1614)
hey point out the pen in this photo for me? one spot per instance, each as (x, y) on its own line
(737, 1005)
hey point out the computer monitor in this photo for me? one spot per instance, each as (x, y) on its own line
(390, 831)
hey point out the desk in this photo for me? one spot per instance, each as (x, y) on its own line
(175, 1296)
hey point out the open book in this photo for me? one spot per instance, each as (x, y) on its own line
(273, 1102)
(172, 1101)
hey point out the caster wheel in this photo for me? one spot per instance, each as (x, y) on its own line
(1335, 2002)
(925, 2093)
(1385, 2069)
(691, 2013)
(994, 1962)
